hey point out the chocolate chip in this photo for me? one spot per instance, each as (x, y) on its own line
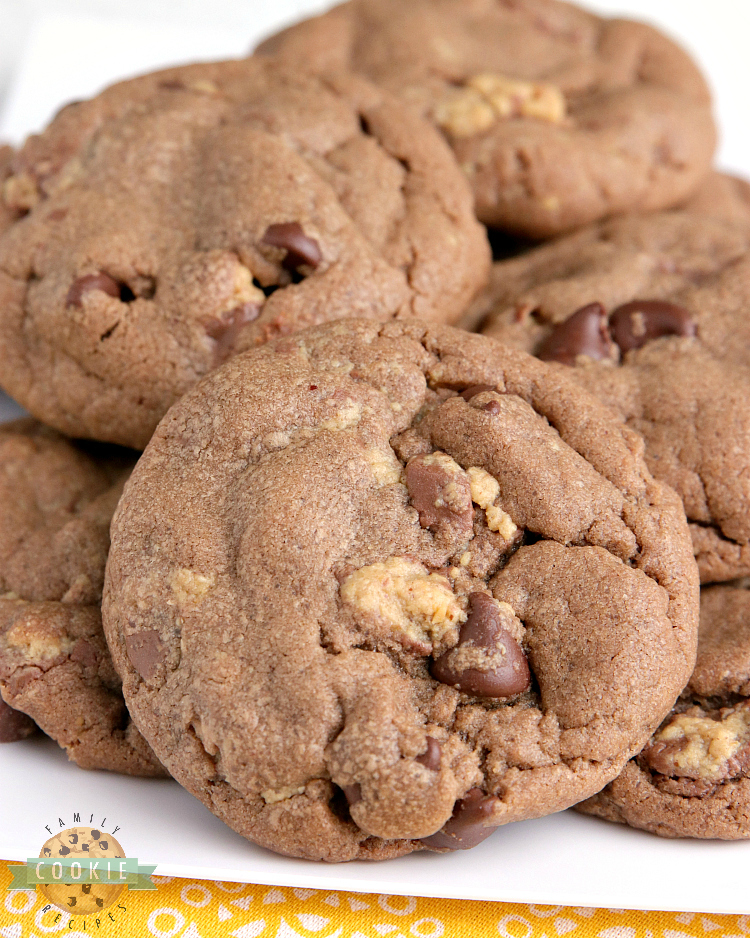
(583, 333)
(476, 389)
(225, 331)
(492, 407)
(659, 756)
(146, 652)
(467, 826)
(301, 250)
(634, 324)
(81, 286)
(431, 758)
(14, 725)
(353, 793)
(85, 653)
(441, 496)
(487, 661)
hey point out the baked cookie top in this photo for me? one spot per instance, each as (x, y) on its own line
(376, 588)
(56, 504)
(557, 116)
(191, 213)
(651, 311)
(693, 777)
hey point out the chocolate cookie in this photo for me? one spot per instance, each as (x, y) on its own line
(693, 778)
(188, 214)
(56, 503)
(652, 312)
(380, 588)
(557, 116)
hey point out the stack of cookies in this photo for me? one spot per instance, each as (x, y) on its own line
(378, 584)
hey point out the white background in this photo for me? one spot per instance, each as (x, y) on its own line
(717, 32)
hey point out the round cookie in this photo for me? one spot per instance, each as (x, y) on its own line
(652, 311)
(358, 613)
(83, 842)
(557, 116)
(185, 215)
(56, 503)
(693, 778)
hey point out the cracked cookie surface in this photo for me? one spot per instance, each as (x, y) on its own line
(188, 214)
(56, 503)
(435, 590)
(693, 778)
(651, 311)
(557, 117)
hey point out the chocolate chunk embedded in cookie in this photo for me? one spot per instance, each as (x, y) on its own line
(379, 588)
(186, 215)
(56, 503)
(557, 116)
(14, 725)
(693, 777)
(652, 311)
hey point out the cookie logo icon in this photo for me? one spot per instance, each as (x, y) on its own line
(83, 842)
(82, 871)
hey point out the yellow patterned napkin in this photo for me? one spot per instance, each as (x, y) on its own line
(181, 908)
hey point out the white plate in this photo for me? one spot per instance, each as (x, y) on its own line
(566, 859)
(562, 860)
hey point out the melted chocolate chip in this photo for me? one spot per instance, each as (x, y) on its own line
(301, 250)
(487, 661)
(432, 757)
(492, 407)
(468, 824)
(476, 389)
(14, 725)
(353, 793)
(85, 653)
(583, 333)
(146, 652)
(634, 324)
(659, 756)
(226, 331)
(439, 495)
(83, 285)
